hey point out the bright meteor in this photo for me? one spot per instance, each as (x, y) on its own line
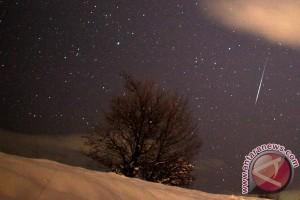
(261, 80)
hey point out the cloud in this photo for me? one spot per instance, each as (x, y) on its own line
(275, 20)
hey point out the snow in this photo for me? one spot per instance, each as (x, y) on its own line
(37, 179)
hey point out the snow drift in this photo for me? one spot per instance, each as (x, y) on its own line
(36, 179)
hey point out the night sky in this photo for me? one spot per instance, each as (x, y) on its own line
(60, 63)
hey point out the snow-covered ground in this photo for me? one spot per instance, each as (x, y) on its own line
(35, 179)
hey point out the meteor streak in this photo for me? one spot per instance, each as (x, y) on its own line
(261, 80)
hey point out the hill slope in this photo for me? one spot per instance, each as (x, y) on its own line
(36, 179)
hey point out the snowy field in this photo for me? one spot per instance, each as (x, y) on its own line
(37, 179)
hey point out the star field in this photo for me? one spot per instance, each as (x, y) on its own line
(60, 63)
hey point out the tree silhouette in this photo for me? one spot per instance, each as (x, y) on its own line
(147, 133)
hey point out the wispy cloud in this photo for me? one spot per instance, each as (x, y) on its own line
(276, 20)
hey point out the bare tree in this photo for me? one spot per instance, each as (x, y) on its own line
(148, 133)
